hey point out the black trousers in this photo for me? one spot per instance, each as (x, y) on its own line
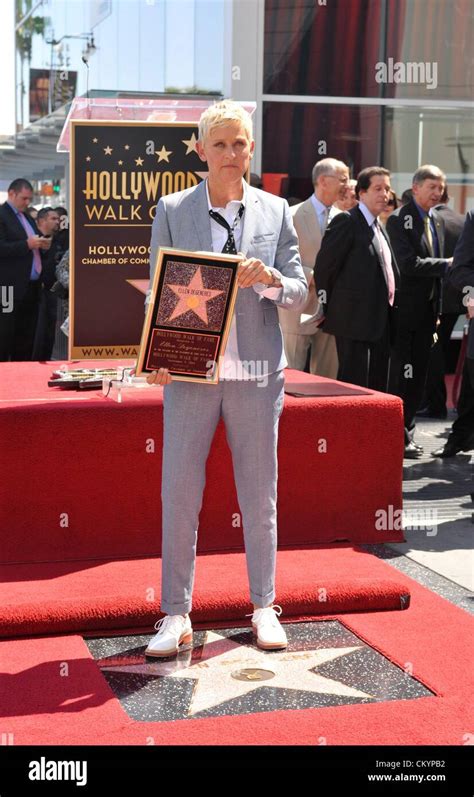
(364, 363)
(46, 326)
(462, 430)
(17, 329)
(435, 396)
(409, 365)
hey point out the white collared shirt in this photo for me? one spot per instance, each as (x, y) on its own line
(368, 216)
(231, 364)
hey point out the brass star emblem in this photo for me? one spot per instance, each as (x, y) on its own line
(222, 659)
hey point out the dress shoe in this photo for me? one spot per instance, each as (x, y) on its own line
(426, 412)
(173, 631)
(412, 451)
(450, 449)
(265, 624)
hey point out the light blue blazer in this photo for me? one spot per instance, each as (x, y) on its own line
(182, 221)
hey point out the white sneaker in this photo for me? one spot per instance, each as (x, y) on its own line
(173, 630)
(265, 623)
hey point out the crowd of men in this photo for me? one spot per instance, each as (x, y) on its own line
(384, 293)
(384, 289)
(32, 244)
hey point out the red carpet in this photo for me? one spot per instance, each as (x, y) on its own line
(79, 483)
(88, 596)
(433, 638)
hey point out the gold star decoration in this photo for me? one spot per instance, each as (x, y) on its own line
(120, 163)
(88, 158)
(95, 140)
(190, 144)
(127, 146)
(163, 154)
(139, 161)
(108, 150)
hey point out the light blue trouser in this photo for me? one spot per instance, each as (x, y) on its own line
(251, 413)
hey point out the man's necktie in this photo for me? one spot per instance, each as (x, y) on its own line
(229, 246)
(324, 216)
(387, 262)
(29, 231)
(429, 234)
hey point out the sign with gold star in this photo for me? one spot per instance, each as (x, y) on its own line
(119, 171)
(189, 314)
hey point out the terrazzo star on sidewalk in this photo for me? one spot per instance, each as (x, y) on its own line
(223, 213)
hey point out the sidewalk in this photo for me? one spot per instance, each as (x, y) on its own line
(441, 491)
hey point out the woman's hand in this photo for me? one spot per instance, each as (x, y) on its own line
(160, 377)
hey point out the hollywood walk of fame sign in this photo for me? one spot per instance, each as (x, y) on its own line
(119, 171)
(189, 314)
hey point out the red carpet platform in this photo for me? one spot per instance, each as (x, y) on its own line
(80, 482)
(121, 594)
(432, 638)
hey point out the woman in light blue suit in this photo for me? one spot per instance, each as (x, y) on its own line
(223, 213)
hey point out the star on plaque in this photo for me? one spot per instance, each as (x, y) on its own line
(193, 296)
(190, 144)
(163, 154)
(139, 161)
(88, 158)
(293, 669)
(139, 285)
(127, 146)
(120, 163)
(95, 140)
(108, 150)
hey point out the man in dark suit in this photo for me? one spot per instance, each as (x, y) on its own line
(20, 273)
(417, 235)
(357, 280)
(48, 225)
(461, 278)
(433, 404)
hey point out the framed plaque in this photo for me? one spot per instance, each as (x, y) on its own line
(189, 315)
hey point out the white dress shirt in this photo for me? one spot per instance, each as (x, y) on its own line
(386, 253)
(231, 364)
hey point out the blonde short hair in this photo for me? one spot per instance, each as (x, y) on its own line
(222, 113)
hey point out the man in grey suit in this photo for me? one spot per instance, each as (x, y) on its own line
(301, 330)
(224, 214)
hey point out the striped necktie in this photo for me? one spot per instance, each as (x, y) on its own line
(429, 235)
(229, 246)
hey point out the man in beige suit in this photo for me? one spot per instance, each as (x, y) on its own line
(300, 329)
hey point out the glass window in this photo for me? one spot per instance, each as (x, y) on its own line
(373, 48)
(295, 136)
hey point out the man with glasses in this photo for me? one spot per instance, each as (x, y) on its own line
(417, 235)
(301, 330)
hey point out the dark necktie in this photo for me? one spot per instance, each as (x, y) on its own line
(229, 246)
